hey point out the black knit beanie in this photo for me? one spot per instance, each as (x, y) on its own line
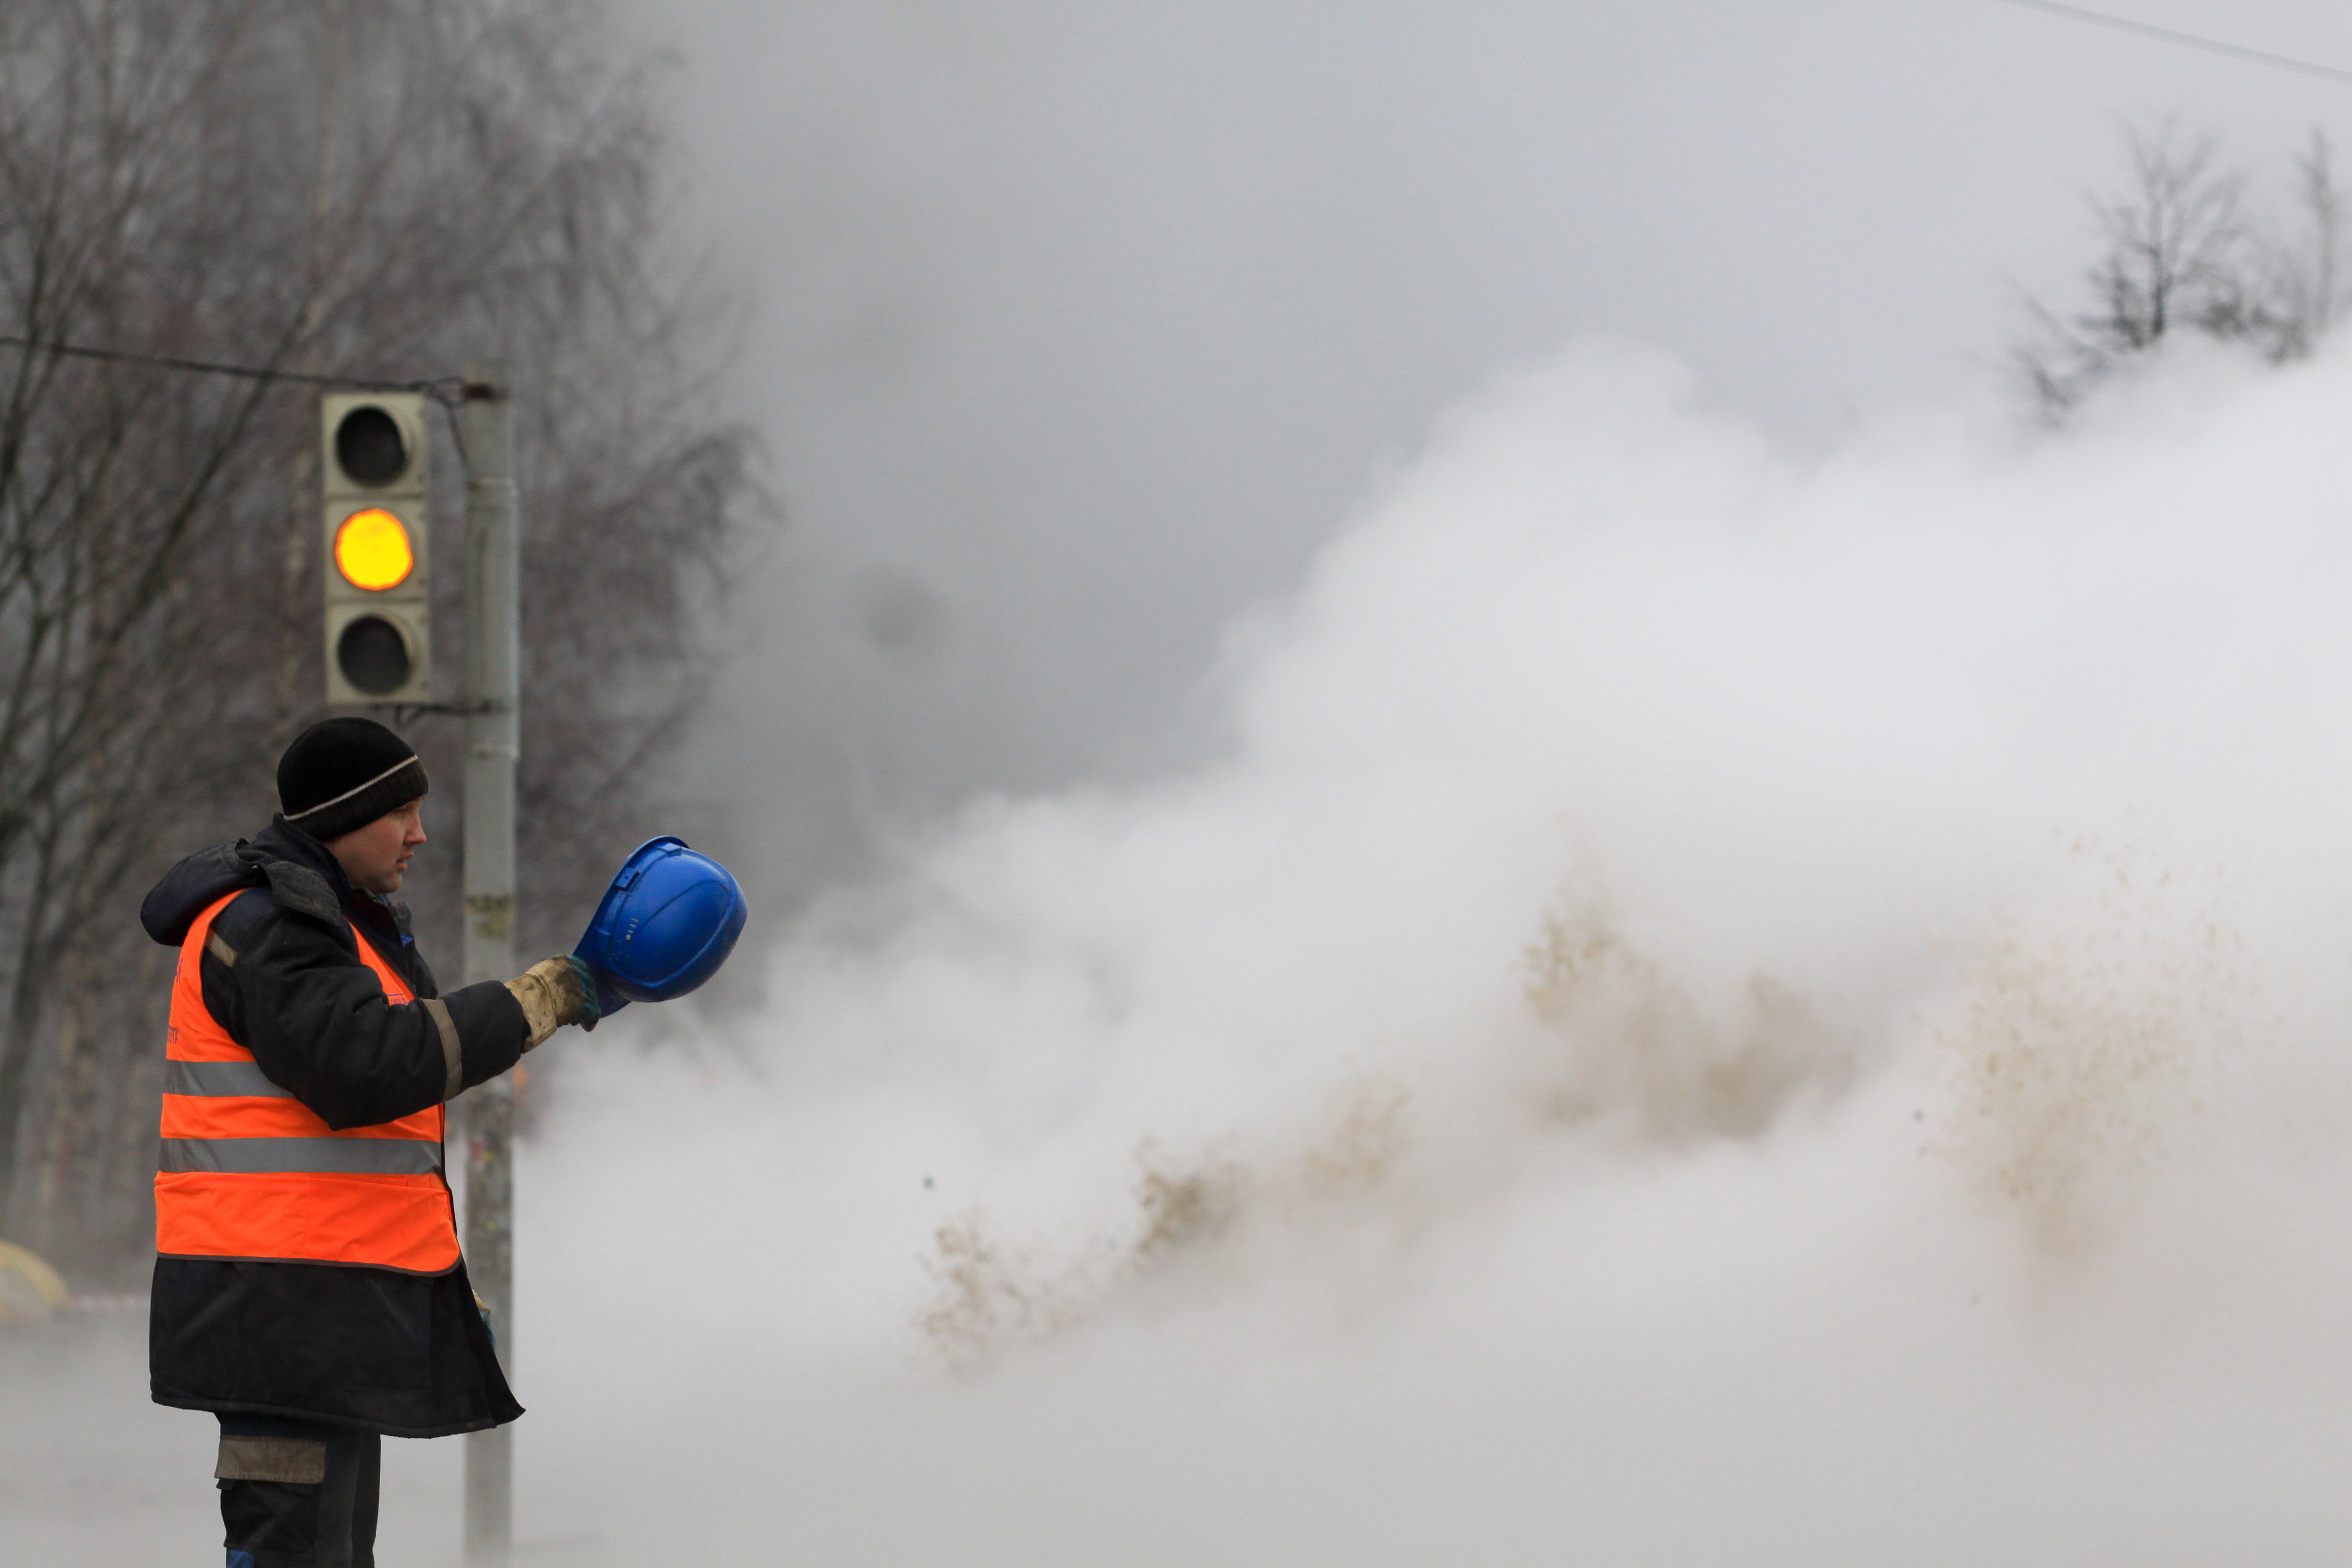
(342, 774)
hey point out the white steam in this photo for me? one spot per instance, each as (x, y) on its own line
(1719, 1010)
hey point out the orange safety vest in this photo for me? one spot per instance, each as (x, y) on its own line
(249, 1172)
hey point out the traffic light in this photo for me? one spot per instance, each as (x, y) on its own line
(378, 599)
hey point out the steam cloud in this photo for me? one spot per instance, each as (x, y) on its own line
(1719, 1009)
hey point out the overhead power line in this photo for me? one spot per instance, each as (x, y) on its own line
(2190, 40)
(444, 389)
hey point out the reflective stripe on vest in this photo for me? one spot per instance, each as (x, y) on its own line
(249, 1172)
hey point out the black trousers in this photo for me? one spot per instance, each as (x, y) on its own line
(297, 1494)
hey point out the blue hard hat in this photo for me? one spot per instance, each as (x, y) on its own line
(665, 926)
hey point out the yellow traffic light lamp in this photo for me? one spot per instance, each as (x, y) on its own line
(372, 550)
(379, 597)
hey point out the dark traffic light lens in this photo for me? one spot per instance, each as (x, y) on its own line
(369, 446)
(373, 656)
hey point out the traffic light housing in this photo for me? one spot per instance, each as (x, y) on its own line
(379, 594)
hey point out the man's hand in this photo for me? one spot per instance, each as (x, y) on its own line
(553, 993)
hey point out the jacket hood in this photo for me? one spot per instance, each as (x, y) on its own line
(296, 868)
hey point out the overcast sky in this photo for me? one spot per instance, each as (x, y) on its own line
(1076, 328)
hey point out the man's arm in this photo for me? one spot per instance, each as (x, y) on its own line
(296, 995)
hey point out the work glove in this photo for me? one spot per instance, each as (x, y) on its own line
(553, 993)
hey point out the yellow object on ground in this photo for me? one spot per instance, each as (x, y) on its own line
(29, 1289)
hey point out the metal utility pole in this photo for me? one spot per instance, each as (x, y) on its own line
(492, 659)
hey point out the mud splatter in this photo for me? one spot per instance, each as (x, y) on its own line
(992, 1293)
(2088, 1046)
(1634, 1044)
(1365, 1134)
(1622, 1042)
(2082, 1046)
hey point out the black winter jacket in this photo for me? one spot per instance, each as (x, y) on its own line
(395, 1352)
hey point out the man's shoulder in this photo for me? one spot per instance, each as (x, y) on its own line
(284, 889)
(277, 861)
(303, 891)
(191, 887)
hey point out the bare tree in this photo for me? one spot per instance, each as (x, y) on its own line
(119, 228)
(386, 190)
(2179, 257)
(2182, 255)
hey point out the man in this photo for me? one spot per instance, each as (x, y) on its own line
(309, 1289)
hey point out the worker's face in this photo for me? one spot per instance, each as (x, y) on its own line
(375, 857)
